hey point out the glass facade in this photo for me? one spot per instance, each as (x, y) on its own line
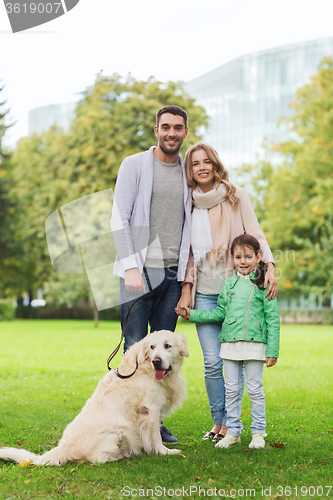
(245, 97)
(42, 118)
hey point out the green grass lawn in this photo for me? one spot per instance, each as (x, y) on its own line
(50, 368)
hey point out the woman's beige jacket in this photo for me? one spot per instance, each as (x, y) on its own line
(242, 219)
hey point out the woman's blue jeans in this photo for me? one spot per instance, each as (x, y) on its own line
(208, 334)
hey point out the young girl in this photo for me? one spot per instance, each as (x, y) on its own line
(249, 337)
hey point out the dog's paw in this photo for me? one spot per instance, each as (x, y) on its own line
(171, 451)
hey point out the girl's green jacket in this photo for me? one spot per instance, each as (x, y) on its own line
(248, 315)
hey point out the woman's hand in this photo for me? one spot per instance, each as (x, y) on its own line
(271, 362)
(185, 301)
(271, 279)
(185, 312)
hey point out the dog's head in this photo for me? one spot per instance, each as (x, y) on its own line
(164, 350)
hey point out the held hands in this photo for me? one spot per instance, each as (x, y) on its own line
(134, 281)
(271, 279)
(185, 302)
(271, 362)
(184, 312)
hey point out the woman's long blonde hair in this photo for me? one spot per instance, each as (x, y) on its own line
(220, 173)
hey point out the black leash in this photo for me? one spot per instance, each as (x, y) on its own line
(127, 376)
(112, 355)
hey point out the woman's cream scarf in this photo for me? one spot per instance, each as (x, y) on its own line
(210, 225)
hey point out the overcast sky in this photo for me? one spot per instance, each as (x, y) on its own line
(176, 40)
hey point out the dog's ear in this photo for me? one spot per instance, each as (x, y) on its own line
(143, 352)
(183, 351)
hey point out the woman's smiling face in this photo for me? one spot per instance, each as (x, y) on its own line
(203, 170)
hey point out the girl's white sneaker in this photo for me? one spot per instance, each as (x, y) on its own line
(257, 441)
(227, 441)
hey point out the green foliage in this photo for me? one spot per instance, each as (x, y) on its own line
(50, 368)
(297, 198)
(7, 310)
(40, 184)
(62, 289)
(9, 247)
(114, 119)
(3, 127)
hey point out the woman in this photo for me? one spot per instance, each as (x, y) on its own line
(220, 213)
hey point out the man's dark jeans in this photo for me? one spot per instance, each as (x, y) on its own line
(156, 308)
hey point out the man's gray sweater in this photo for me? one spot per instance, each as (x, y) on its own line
(131, 213)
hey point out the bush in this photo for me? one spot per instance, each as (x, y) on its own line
(77, 311)
(55, 312)
(7, 310)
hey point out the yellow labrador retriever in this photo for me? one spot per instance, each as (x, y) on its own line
(123, 415)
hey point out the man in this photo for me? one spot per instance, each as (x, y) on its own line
(151, 227)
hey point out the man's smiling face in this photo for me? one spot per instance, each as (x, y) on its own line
(170, 133)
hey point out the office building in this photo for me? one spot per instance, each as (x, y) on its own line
(244, 98)
(42, 118)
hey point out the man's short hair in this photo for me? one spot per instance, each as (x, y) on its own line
(172, 109)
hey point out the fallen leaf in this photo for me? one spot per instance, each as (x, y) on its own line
(181, 455)
(210, 480)
(246, 411)
(277, 444)
(26, 463)
(299, 427)
(197, 478)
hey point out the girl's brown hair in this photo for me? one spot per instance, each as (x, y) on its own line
(220, 173)
(246, 240)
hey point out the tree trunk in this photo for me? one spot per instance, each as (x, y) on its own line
(96, 317)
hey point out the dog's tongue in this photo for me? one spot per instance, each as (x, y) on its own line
(159, 374)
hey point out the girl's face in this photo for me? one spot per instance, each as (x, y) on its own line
(245, 259)
(203, 170)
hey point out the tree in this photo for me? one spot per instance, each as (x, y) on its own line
(297, 203)
(8, 245)
(39, 182)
